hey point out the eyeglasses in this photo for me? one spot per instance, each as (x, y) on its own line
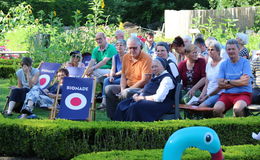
(133, 48)
(75, 56)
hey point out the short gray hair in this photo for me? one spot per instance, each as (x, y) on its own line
(119, 32)
(187, 37)
(215, 44)
(232, 41)
(136, 40)
(121, 41)
(243, 37)
(209, 39)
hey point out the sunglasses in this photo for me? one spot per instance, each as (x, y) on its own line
(75, 56)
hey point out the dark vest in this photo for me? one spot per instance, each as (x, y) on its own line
(151, 87)
(168, 68)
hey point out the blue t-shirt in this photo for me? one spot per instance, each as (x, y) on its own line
(118, 63)
(233, 71)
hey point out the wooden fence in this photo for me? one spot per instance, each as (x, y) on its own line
(179, 22)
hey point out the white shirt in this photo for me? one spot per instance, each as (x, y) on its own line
(172, 57)
(174, 69)
(165, 86)
(212, 74)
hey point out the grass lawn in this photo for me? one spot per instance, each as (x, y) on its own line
(44, 113)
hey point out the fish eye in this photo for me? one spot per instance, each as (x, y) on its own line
(208, 138)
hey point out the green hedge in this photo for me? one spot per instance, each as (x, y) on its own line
(8, 67)
(242, 152)
(7, 71)
(9, 61)
(63, 139)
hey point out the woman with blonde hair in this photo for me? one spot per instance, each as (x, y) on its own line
(75, 60)
(192, 71)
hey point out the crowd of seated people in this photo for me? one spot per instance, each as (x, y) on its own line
(139, 78)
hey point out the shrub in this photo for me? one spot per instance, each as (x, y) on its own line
(8, 67)
(7, 71)
(63, 139)
(242, 152)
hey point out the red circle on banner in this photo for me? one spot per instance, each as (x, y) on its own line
(43, 81)
(75, 101)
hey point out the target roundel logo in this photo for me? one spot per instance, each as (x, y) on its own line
(75, 101)
(44, 80)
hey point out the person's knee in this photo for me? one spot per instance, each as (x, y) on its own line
(219, 107)
(108, 89)
(239, 106)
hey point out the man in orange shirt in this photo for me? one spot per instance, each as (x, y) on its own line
(136, 72)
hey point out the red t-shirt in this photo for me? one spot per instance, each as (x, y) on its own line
(198, 71)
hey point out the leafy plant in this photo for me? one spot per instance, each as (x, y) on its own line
(222, 30)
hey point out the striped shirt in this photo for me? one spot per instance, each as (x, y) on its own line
(255, 66)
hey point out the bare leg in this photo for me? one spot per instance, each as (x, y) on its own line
(10, 107)
(238, 108)
(219, 109)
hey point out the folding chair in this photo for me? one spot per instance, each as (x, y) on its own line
(175, 113)
(77, 100)
(47, 73)
(76, 71)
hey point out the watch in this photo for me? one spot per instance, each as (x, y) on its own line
(228, 81)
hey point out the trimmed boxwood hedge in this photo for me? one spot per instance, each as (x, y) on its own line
(64, 139)
(7, 71)
(9, 66)
(242, 152)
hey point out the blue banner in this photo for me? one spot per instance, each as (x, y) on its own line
(76, 71)
(76, 99)
(47, 73)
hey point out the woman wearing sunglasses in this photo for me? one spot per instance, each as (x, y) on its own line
(75, 60)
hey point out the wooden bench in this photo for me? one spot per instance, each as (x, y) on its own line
(194, 112)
